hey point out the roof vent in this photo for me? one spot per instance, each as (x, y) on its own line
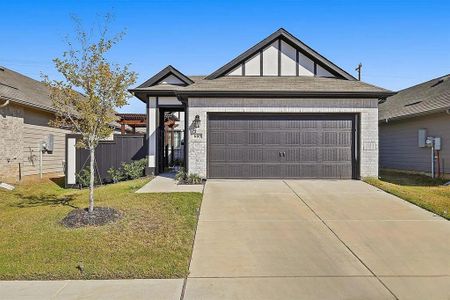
(413, 103)
(445, 78)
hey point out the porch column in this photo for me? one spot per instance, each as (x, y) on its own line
(152, 121)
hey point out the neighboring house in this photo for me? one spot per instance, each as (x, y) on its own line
(25, 112)
(278, 110)
(423, 106)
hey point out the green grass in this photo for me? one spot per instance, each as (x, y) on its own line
(421, 190)
(153, 240)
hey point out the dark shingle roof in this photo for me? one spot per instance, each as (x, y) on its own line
(270, 84)
(427, 97)
(24, 90)
(282, 84)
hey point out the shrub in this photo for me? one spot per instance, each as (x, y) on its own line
(194, 179)
(83, 178)
(134, 169)
(182, 177)
(116, 175)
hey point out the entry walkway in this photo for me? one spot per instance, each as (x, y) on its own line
(165, 183)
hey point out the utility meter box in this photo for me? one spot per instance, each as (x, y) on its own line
(50, 142)
(422, 137)
(437, 143)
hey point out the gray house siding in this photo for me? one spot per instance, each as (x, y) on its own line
(398, 143)
(365, 108)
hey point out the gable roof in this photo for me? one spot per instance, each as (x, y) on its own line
(427, 97)
(24, 90)
(167, 71)
(286, 36)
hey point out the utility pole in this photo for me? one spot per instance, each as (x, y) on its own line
(358, 69)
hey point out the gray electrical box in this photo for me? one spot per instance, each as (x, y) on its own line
(437, 143)
(422, 137)
(50, 142)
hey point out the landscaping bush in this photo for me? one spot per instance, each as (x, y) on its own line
(83, 178)
(182, 177)
(116, 175)
(135, 169)
(132, 170)
(194, 179)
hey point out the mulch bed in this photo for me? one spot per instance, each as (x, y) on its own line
(100, 216)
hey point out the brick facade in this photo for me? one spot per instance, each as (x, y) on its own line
(11, 141)
(366, 108)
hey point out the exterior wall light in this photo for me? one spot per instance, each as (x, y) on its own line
(197, 121)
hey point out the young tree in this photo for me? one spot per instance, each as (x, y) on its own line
(92, 89)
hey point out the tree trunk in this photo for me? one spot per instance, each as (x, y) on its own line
(91, 180)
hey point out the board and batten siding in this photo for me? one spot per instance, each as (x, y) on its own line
(279, 59)
(399, 143)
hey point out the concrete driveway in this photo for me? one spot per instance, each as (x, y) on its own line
(315, 239)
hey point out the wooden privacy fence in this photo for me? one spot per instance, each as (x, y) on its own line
(108, 154)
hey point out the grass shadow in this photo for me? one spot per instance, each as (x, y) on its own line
(45, 200)
(406, 179)
(59, 181)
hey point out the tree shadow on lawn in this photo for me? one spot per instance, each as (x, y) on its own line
(405, 179)
(45, 200)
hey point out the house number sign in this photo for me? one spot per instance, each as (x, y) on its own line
(196, 134)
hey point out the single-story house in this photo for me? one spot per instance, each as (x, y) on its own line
(278, 110)
(25, 112)
(29, 145)
(421, 108)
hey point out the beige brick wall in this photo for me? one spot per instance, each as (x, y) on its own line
(11, 140)
(367, 108)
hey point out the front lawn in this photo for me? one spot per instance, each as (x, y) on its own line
(421, 190)
(152, 240)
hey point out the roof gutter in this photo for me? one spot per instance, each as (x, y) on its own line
(25, 103)
(5, 103)
(183, 94)
(425, 113)
(284, 94)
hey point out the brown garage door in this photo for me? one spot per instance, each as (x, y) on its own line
(281, 146)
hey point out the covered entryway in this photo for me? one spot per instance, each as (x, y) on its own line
(282, 145)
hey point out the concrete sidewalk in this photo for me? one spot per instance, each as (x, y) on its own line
(135, 289)
(165, 183)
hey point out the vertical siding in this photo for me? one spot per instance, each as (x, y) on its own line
(399, 145)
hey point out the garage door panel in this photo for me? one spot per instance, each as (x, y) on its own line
(280, 146)
(336, 138)
(310, 154)
(336, 154)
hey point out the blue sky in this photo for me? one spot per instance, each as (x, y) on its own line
(400, 43)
